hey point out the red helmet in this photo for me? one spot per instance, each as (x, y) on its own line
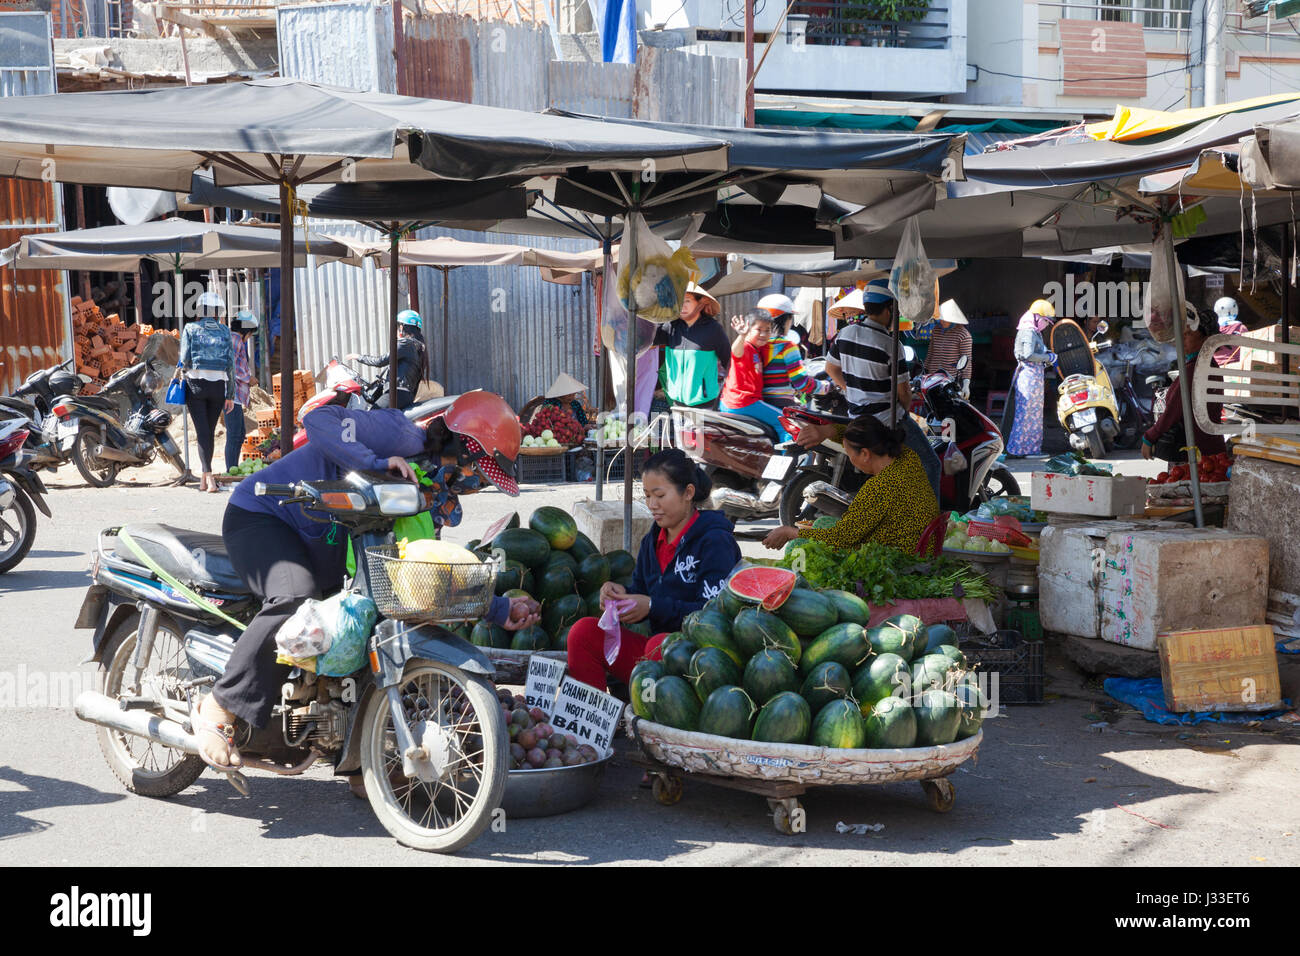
(491, 434)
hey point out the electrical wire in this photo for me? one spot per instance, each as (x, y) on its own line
(1081, 79)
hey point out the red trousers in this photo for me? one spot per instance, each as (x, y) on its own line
(587, 653)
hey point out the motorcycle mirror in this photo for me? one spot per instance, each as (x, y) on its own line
(1102, 328)
(909, 353)
(962, 363)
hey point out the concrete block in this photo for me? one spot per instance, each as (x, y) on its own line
(602, 522)
(1094, 656)
(1262, 500)
(1067, 589)
(1160, 580)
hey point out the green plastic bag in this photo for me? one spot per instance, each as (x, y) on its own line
(412, 528)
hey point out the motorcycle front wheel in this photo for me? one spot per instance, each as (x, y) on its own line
(441, 704)
(17, 531)
(97, 471)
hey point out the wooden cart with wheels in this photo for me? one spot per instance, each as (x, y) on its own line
(782, 773)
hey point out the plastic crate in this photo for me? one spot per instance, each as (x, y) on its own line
(1018, 663)
(540, 469)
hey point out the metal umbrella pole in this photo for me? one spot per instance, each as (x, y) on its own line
(606, 249)
(185, 409)
(446, 330)
(630, 399)
(1184, 394)
(393, 240)
(287, 348)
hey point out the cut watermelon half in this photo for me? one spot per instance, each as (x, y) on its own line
(766, 587)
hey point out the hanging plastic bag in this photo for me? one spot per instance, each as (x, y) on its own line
(954, 461)
(329, 636)
(652, 279)
(912, 280)
(1165, 291)
(305, 634)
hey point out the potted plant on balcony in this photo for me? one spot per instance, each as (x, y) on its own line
(892, 12)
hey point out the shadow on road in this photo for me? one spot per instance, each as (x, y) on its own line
(41, 793)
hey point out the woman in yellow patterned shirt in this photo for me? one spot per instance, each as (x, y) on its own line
(893, 506)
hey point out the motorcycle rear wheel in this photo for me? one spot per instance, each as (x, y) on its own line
(1096, 444)
(793, 508)
(451, 813)
(143, 766)
(999, 482)
(18, 528)
(96, 471)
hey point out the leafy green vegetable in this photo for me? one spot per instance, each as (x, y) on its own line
(880, 574)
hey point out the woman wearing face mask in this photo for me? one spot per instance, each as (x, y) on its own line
(1032, 358)
(893, 507)
(684, 560)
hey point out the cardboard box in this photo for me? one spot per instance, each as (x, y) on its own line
(1156, 580)
(1220, 669)
(1090, 495)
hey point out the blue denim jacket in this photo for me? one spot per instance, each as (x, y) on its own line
(206, 345)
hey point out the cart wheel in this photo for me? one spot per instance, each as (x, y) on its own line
(783, 812)
(940, 793)
(667, 788)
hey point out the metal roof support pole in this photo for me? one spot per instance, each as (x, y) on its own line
(393, 240)
(629, 401)
(1184, 385)
(286, 318)
(607, 244)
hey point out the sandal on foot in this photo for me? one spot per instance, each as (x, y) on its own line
(226, 732)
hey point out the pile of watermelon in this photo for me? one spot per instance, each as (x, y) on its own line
(771, 659)
(554, 563)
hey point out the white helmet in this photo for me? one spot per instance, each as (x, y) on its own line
(209, 302)
(1226, 310)
(776, 303)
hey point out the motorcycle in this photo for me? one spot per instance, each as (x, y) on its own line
(120, 427)
(20, 489)
(1086, 404)
(421, 721)
(741, 455)
(34, 401)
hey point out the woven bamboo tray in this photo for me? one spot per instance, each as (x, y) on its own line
(543, 452)
(796, 763)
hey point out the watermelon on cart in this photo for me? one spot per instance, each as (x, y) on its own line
(766, 587)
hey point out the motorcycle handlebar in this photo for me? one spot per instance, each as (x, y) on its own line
(261, 488)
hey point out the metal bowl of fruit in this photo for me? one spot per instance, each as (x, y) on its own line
(550, 772)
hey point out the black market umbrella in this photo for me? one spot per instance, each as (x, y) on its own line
(289, 133)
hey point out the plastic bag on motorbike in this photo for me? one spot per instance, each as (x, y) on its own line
(953, 460)
(912, 280)
(329, 636)
(1165, 291)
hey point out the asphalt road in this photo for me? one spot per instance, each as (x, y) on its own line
(1074, 781)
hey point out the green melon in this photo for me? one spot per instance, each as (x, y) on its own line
(562, 613)
(582, 547)
(845, 643)
(808, 613)
(885, 675)
(754, 630)
(640, 687)
(709, 669)
(712, 629)
(826, 682)
(592, 604)
(887, 638)
(554, 582)
(890, 725)
(488, 635)
(560, 558)
(555, 525)
(938, 717)
(621, 565)
(513, 577)
(677, 656)
(560, 639)
(934, 670)
(593, 571)
(728, 712)
(523, 545)
(675, 704)
(954, 654)
(849, 608)
(641, 627)
(731, 603)
(839, 724)
(785, 719)
(768, 673)
(971, 705)
(936, 635)
(532, 638)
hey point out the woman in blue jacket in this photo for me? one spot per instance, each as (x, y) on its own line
(208, 362)
(683, 562)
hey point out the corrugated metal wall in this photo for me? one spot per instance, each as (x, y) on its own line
(341, 43)
(449, 57)
(35, 324)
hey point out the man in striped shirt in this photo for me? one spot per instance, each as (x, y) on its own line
(949, 341)
(859, 363)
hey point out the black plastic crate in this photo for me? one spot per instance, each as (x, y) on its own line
(585, 460)
(1018, 663)
(540, 469)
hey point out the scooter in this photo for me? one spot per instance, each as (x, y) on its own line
(121, 427)
(968, 444)
(1086, 399)
(21, 494)
(741, 455)
(420, 721)
(34, 401)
